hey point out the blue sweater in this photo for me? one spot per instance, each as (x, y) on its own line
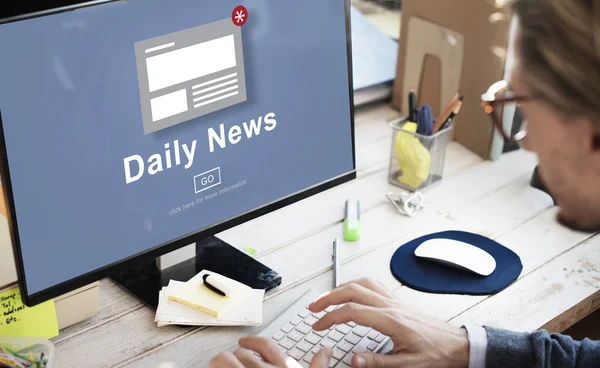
(539, 349)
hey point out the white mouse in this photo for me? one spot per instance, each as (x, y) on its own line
(457, 254)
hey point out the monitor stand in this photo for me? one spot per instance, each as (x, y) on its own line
(145, 280)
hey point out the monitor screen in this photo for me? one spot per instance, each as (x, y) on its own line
(128, 126)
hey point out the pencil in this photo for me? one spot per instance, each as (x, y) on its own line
(446, 112)
(453, 114)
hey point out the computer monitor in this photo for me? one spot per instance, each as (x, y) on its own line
(130, 129)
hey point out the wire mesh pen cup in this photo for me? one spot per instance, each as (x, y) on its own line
(416, 160)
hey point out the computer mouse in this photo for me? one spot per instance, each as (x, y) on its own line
(457, 254)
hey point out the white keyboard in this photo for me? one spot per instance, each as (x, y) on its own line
(293, 334)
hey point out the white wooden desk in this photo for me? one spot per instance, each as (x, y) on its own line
(558, 286)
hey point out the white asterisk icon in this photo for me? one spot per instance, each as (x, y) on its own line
(239, 16)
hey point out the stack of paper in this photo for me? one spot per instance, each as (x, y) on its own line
(192, 303)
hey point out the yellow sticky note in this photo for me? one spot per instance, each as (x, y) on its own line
(16, 319)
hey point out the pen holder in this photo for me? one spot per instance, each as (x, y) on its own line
(416, 161)
(16, 348)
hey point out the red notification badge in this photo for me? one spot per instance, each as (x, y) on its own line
(239, 16)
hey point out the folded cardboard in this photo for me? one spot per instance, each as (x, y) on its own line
(485, 29)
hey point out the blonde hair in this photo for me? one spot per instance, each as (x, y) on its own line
(559, 50)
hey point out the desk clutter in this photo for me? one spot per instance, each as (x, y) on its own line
(209, 299)
(419, 144)
(407, 204)
(26, 352)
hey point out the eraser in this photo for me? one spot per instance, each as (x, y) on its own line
(215, 283)
(352, 220)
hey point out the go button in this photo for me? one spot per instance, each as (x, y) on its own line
(207, 179)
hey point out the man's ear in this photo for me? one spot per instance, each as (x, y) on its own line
(596, 142)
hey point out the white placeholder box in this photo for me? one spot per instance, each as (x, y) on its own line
(168, 105)
(190, 73)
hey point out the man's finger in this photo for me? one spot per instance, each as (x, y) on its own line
(363, 315)
(372, 360)
(225, 360)
(265, 347)
(248, 359)
(350, 293)
(373, 285)
(322, 358)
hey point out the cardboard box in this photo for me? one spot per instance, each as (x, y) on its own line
(483, 28)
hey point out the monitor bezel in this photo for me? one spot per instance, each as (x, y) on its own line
(161, 249)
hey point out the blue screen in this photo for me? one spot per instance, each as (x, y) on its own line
(108, 155)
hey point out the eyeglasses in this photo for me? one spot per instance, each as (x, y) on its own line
(498, 99)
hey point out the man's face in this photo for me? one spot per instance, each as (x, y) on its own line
(569, 164)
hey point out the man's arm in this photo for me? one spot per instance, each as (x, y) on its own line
(538, 349)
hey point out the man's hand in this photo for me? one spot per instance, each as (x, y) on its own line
(272, 356)
(419, 341)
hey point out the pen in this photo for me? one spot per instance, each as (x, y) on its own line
(412, 106)
(336, 263)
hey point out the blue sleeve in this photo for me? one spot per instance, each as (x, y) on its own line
(539, 349)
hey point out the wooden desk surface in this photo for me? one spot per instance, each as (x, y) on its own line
(558, 286)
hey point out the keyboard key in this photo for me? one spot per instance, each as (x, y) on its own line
(287, 328)
(310, 320)
(312, 338)
(295, 335)
(319, 315)
(359, 349)
(344, 329)
(372, 334)
(330, 309)
(305, 346)
(296, 353)
(360, 331)
(335, 336)
(342, 365)
(308, 357)
(372, 345)
(316, 349)
(327, 342)
(278, 336)
(322, 333)
(305, 313)
(286, 343)
(380, 338)
(348, 358)
(338, 354)
(351, 324)
(332, 363)
(303, 328)
(296, 320)
(345, 346)
(283, 350)
(353, 339)
(304, 364)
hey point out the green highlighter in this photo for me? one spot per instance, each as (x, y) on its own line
(352, 220)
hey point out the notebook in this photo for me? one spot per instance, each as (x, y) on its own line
(192, 303)
(195, 294)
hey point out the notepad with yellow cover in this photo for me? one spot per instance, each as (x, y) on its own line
(246, 313)
(196, 295)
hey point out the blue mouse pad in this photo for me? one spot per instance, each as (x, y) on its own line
(431, 277)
